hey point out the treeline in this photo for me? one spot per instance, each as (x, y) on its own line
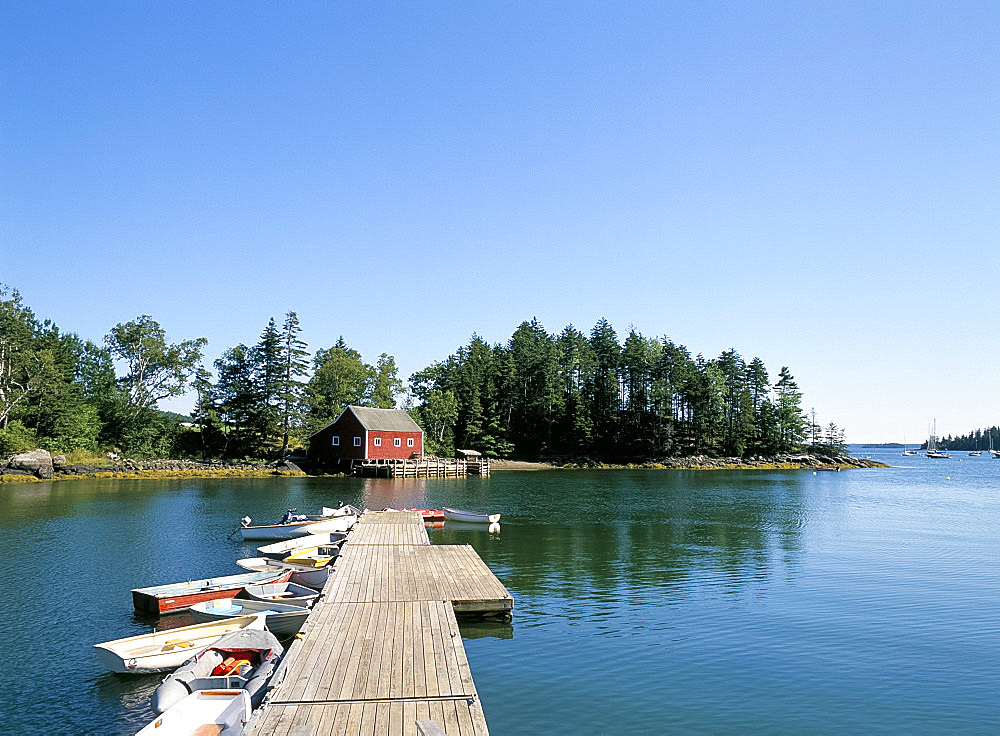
(577, 395)
(539, 395)
(975, 440)
(63, 393)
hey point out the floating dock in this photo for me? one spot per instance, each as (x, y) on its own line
(381, 652)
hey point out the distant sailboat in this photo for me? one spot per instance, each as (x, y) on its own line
(932, 448)
(906, 452)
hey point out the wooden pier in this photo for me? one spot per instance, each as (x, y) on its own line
(424, 468)
(381, 652)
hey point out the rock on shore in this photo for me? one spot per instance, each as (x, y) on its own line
(35, 462)
(40, 464)
(703, 462)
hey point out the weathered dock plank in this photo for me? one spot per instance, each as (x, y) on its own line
(411, 572)
(382, 649)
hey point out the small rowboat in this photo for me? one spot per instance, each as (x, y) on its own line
(281, 550)
(303, 572)
(470, 516)
(304, 558)
(281, 620)
(243, 659)
(225, 712)
(159, 599)
(312, 565)
(339, 520)
(427, 514)
(288, 593)
(167, 650)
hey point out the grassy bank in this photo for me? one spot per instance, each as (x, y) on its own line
(153, 474)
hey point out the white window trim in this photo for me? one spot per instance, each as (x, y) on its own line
(409, 442)
(357, 441)
(336, 440)
(397, 442)
(378, 442)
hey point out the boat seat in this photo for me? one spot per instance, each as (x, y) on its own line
(209, 729)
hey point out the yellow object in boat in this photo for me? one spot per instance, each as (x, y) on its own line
(310, 557)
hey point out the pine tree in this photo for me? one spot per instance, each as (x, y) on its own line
(269, 369)
(575, 367)
(294, 365)
(675, 380)
(791, 423)
(537, 399)
(605, 403)
(759, 385)
(238, 398)
(639, 359)
(707, 405)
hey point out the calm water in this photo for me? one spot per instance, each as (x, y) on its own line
(645, 602)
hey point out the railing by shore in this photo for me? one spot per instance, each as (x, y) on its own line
(427, 467)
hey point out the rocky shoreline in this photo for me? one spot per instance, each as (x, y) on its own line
(698, 462)
(703, 462)
(41, 465)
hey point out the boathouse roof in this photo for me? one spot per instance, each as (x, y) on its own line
(380, 420)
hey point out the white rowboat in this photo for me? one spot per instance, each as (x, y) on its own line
(297, 528)
(332, 520)
(281, 620)
(168, 649)
(227, 711)
(470, 516)
(288, 593)
(302, 574)
(281, 550)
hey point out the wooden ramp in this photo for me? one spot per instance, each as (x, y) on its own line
(382, 650)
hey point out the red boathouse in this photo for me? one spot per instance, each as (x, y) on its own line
(364, 433)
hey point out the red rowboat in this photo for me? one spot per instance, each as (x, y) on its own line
(179, 596)
(428, 514)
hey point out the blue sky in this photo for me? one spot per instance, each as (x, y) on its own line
(814, 184)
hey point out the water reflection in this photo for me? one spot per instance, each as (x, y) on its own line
(588, 556)
(650, 537)
(485, 629)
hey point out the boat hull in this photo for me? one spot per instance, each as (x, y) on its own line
(277, 532)
(167, 650)
(427, 514)
(281, 550)
(288, 594)
(308, 575)
(243, 660)
(229, 709)
(159, 599)
(470, 517)
(281, 620)
(314, 579)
